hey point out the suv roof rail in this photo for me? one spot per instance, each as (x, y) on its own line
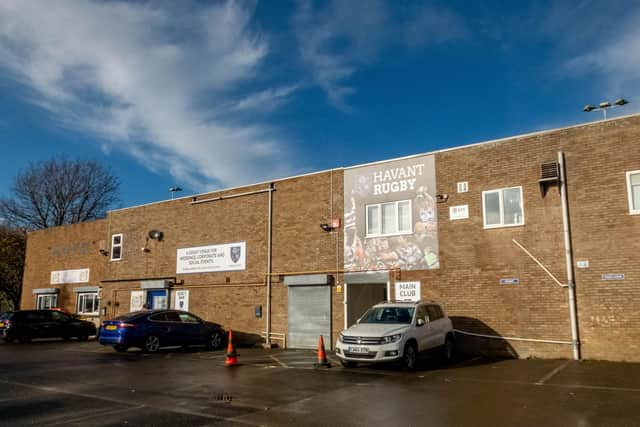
(422, 301)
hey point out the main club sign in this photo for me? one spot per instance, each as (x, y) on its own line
(390, 218)
(206, 259)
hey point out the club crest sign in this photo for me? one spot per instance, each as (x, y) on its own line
(206, 259)
(236, 252)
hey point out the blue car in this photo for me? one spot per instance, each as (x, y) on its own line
(152, 329)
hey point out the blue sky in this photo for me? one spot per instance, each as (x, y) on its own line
(215, 94)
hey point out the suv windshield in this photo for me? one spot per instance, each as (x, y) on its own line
(388, 315)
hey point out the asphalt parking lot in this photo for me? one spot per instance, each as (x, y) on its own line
(85, 384)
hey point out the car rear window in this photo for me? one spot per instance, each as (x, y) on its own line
(131, 316)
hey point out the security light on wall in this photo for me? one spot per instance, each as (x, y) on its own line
(326, 227)
(156, 235)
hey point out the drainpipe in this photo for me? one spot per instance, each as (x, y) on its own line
(269, 228)
(568, 252)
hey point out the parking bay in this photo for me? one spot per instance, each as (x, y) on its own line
(52, 382)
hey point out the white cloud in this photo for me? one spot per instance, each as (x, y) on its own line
(342, 37)
(133, 73)
(431, 24)
(335, 41)
(614, 63)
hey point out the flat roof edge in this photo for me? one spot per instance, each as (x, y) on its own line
(411, 156)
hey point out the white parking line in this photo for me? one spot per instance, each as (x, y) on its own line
(552, 373)
(281, 363)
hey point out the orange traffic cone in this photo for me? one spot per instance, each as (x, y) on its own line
(322, 356)
(232, 356)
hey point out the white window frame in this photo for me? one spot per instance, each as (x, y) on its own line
(500, 192)
(120, 245)
(632, 211)
(397, 232)
(42, 297)
(97, 303)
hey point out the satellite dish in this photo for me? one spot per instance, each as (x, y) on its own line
(156, 235)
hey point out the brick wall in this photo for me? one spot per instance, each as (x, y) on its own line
(472, 259)
(69, 247)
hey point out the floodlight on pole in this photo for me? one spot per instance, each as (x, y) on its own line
(174, 190)
(603, 106)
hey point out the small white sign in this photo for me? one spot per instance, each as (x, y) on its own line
(70, 276)
(137, 300)
(204, 259)
(583, 264)
(510, 281)
(407, 291)
(459, 212)
(181, 300)
(613, 276)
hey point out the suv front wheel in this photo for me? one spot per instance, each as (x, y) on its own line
(409, 356)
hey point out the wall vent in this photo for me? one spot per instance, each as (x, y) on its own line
(549, 171)
(549, 175)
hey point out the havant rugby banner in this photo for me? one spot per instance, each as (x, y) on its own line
(390, 216)
(206, 259)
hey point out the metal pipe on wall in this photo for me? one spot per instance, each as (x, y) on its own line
(269, 225)
(568, 252)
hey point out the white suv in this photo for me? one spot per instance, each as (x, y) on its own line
(397, 331)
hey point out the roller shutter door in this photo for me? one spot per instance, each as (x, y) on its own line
(309, 316)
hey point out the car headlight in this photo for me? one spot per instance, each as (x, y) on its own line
(340, 337)
(391, 338)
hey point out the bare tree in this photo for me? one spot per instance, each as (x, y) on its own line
(12, 247)
(60, 191)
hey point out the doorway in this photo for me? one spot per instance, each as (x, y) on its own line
(157, 299)
(361, 296)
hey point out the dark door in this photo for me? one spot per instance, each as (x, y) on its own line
(361, 297)
(192, 328)
(61, 325)
(160, 327)
(41, 324)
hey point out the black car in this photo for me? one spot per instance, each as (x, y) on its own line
(25, 325)
(150, 330)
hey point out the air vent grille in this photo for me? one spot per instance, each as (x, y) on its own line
(549, 171)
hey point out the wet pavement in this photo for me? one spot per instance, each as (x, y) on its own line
(85, 384)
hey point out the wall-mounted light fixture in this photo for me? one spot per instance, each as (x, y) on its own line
(103, 252)
(156, 235)
(441, 198)
(326, 227)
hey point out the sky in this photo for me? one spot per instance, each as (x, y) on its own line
(207, 95)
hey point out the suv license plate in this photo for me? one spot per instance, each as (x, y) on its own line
(111, 327)
(358, 349)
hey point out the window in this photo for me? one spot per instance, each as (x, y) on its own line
(88, 303)
(59, 317)
(386, 219)
(503, 208)
(116, 247)
(160, 317)
(633, 190)
(47, 301)
(188, 318)
(434, 312)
